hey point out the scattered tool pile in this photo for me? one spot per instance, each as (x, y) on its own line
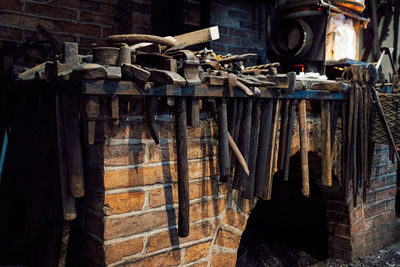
(249, 104)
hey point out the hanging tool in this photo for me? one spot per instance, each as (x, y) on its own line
(240, 178)
(288, 143)
(255, 123)
(263, 148)
(272, 150)
(183, 168)
(223, 142)
(151, 112)
(326, 160)
(303, 132)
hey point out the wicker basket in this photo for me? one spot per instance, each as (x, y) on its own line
(391, 107)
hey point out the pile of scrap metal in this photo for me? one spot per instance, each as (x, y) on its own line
(256, 98)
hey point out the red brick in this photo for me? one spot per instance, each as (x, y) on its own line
(83, 29)
(85, 5)
(223, 259)
(96, 18)
(374, 209)
(197, 252)
(209, 209)
(10, 34)
(120, 155)
(162, 152)
(132, 177)
(50, 11)
(380, 219)
(378, 183)
(10, 5)
(123, 202)
(116, 252)
(235, 219)
(129, 225)
(385, 194)
(169, 258)
(170, 238)
(25, 21)
(227, 239)
(107, 9)
(169, 194)
(165, 195)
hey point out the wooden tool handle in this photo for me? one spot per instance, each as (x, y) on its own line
(272, 145)
(238, 154)
(304, 147)
(139, 38)
(183, 168)
(326, 163)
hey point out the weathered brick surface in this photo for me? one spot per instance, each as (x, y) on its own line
(235, 219)
(227, 239)
(116, 252)
(124, 226)
(197, 251)
(170, 238)
(169, 258)
(223, 259)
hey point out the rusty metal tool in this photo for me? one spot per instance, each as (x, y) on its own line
(273, 150)
(68, 201)
(151, 112)
(255, 124)
(240, 178)
(235, 134)
(70, 116)
(89, 71)
(183, 168)
(288, 143)
(134, 72)
(283, 133)
(303, 132)
(372, 74)
(223, 142)
(263, 145)
(326, 162)
(166, 77)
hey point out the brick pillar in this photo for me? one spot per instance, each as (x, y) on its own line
(129, 214)
(367, 227)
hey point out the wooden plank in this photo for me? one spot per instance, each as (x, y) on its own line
(131, 88)
(198, 37)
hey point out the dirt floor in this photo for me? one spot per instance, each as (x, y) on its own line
(255, 252)
(389, 256)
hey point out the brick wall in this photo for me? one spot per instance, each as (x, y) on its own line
(359, 230)
(85, 22)
(129, 214)
(242, 26)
